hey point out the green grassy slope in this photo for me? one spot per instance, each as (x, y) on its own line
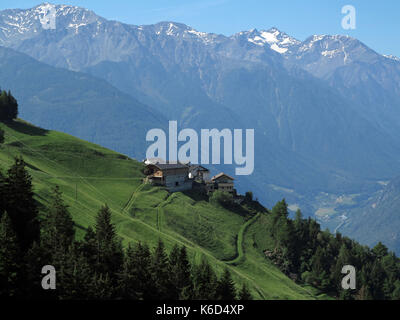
(89, 176)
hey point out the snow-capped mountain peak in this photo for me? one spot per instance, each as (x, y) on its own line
(392, 57)
(340, 47)
(179, 30)
(21, 24)
(274, 38)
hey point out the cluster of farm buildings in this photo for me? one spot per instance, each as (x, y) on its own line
(177, 177)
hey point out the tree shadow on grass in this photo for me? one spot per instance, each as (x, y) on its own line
(26, 128)
(196, 195)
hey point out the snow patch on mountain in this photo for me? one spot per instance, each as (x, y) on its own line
(178, 30)
(277, 40)
(20, 24)
(391, 57)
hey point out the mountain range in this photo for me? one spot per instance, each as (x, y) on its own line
(326, 110)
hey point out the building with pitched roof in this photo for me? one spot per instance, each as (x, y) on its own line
(223, 182)
(181, 177)
(173, 176)
(199, 173)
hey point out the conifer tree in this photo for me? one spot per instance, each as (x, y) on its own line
(74, 275)
(280, 210)
(280, 229)
(226, 288)
(380, 250)
(161, 273)
(3, 106)
(58, 227)
(8, 106)
(142, 271)
(20, 204)
(2, 193)
(173, 266)
(244, 293)
(377, 277)
(1, 136)
(12, 106)
(105, 230)
(396, 291)
(345, 295)
(298, 220)
(101, 287)
(364, 293)
(343, 259)
(128, 283)
(89, 247)
(35, 259)
(205, 282)
(109, 253)
(320, 269)
(10, 259)
(181, 274)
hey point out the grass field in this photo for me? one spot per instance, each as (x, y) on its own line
(90, 176)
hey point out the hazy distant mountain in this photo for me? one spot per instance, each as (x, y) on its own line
(378, 219)
(77, 103)
(368, 80)
(326, 110)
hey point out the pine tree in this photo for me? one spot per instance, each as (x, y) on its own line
(280, 210)
(58, 227)
(20, 204)
(2, 193)
(396, 291)
(364, 293)
(282, 229)
(320, 269)
(10, 262)
(89, 248)
(3, 106)
(345, 295)
(377, 277)
(226, 287)
(105, 230)
(102, 250)
(343, 259)
(101, 287)
(128, 282)
(35, 259)
(390, 265)
(173, 266)
(181, 274)
(161, 274)
(380, 250)
(142, 271)
(205, 282)
(298, 220)
(12, 106)
(283, 233)
(245, 294)
(8, 107)
(74, 275)
(1, 136)
(109, 252)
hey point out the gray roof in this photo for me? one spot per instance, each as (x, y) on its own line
(199, 167)
(170, 166)
(219, 175)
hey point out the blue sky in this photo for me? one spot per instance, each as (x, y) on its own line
(378, 23)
